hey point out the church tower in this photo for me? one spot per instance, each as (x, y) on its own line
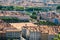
(38, 16)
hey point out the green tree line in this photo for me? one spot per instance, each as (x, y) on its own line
(19, 8)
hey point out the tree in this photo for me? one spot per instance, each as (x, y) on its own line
(57, 37)
(0, 7)
(58, 7)
(34, 16)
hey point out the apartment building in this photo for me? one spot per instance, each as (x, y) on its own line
(34, 36)
(31, 31)
(13, 35)
(8, 32)
(42, 32)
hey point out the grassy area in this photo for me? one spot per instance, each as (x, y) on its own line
(28, 13)
(17, 8)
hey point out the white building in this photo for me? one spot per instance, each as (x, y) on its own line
(35, 36)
